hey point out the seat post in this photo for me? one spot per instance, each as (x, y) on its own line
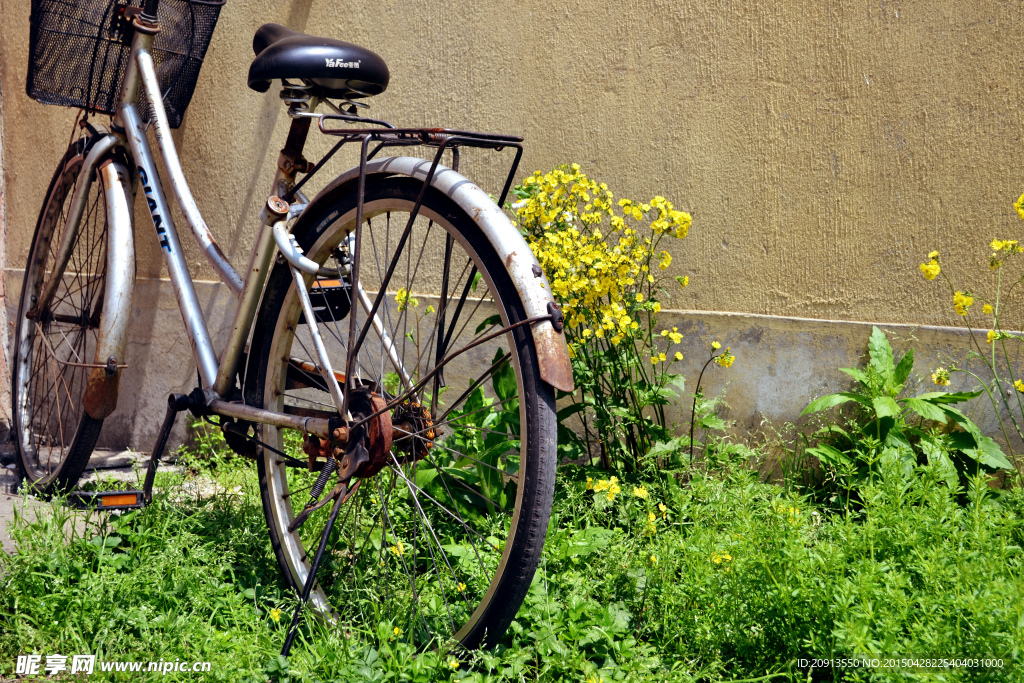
(291, 161)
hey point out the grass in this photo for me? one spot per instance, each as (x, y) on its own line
(723, 578)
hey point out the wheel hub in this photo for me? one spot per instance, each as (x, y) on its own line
(370, 441)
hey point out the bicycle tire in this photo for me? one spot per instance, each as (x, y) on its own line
(74, 315)
(493, 598)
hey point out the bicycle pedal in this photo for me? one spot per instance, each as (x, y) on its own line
(106, 500)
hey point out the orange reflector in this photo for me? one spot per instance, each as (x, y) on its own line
(327, 283)
(129, 499)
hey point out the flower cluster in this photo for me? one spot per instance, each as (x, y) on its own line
(941, 377)
(961, 302)
(601, 278)
(724, 359)
(610, 486)
(931, 269)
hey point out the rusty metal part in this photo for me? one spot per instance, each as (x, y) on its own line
(377, 432)
(100, 398)
(413, 424)
(277, 207)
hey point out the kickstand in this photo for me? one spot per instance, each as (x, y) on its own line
(176, 403)
(307, 589)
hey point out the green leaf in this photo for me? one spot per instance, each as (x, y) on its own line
(570, 410)
(668, 448)
(828, 455)
(965, 422)
(938, 457)
(949, 397)
(857, 374)
(989, 454)
(488, 322)
(826, 402)
(885, 407)
(903, 367)
(925, 409)
(880, 354)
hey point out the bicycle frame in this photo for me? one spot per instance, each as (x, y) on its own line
(217, 373)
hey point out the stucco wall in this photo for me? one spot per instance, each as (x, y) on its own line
(822, 147)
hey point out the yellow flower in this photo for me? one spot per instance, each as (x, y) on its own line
(719, 558)
(590, 483)
(991, 336)
(726, 359)
(461, 587)
(453, 663)
(716, 345)
(1019, 386)
(987, 309)
(275, 615)
(666, 260)
(654, 360)
(663, 510)
(640, 492)
(1019, 205)
(930, 270)
(430, 309)
(683, 281)
(397, 632)
(933, 254)
(941, 377)
(654, 560)
(657, 307)
(679, 356)
(961, 302)
(405, 300)
(1006, 246)
(398, 549)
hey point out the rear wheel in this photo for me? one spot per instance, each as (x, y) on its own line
(53, 434)
(441, 544)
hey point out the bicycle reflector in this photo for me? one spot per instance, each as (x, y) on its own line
(106, 500)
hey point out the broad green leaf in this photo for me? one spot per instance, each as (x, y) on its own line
(925, 409)
(965, 422)
(898, 440)
(857, 374)
(830, 400)
(570, 410)
(989, 454)
(938, 457)
(885, 407)
(677, 384)
(828, 455)
(949, 397)
(488, 322)
(670, 447)
(903, 367)
(880, 354)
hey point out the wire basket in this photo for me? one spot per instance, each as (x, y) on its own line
(78, 52)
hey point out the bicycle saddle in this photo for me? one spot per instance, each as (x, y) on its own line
(337, 69)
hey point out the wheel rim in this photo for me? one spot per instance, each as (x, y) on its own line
(53, 347)
(421, 546)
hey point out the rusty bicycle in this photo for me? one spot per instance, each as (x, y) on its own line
(394, 355)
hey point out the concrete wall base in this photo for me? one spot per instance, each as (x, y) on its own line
(781, 363)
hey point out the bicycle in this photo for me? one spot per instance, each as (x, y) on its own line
(394, 340)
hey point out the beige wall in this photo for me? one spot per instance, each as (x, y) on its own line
(822, 147)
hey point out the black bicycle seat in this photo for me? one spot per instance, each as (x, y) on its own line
(337, 69)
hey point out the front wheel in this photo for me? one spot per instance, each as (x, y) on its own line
(54, 344)
(440, 544)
